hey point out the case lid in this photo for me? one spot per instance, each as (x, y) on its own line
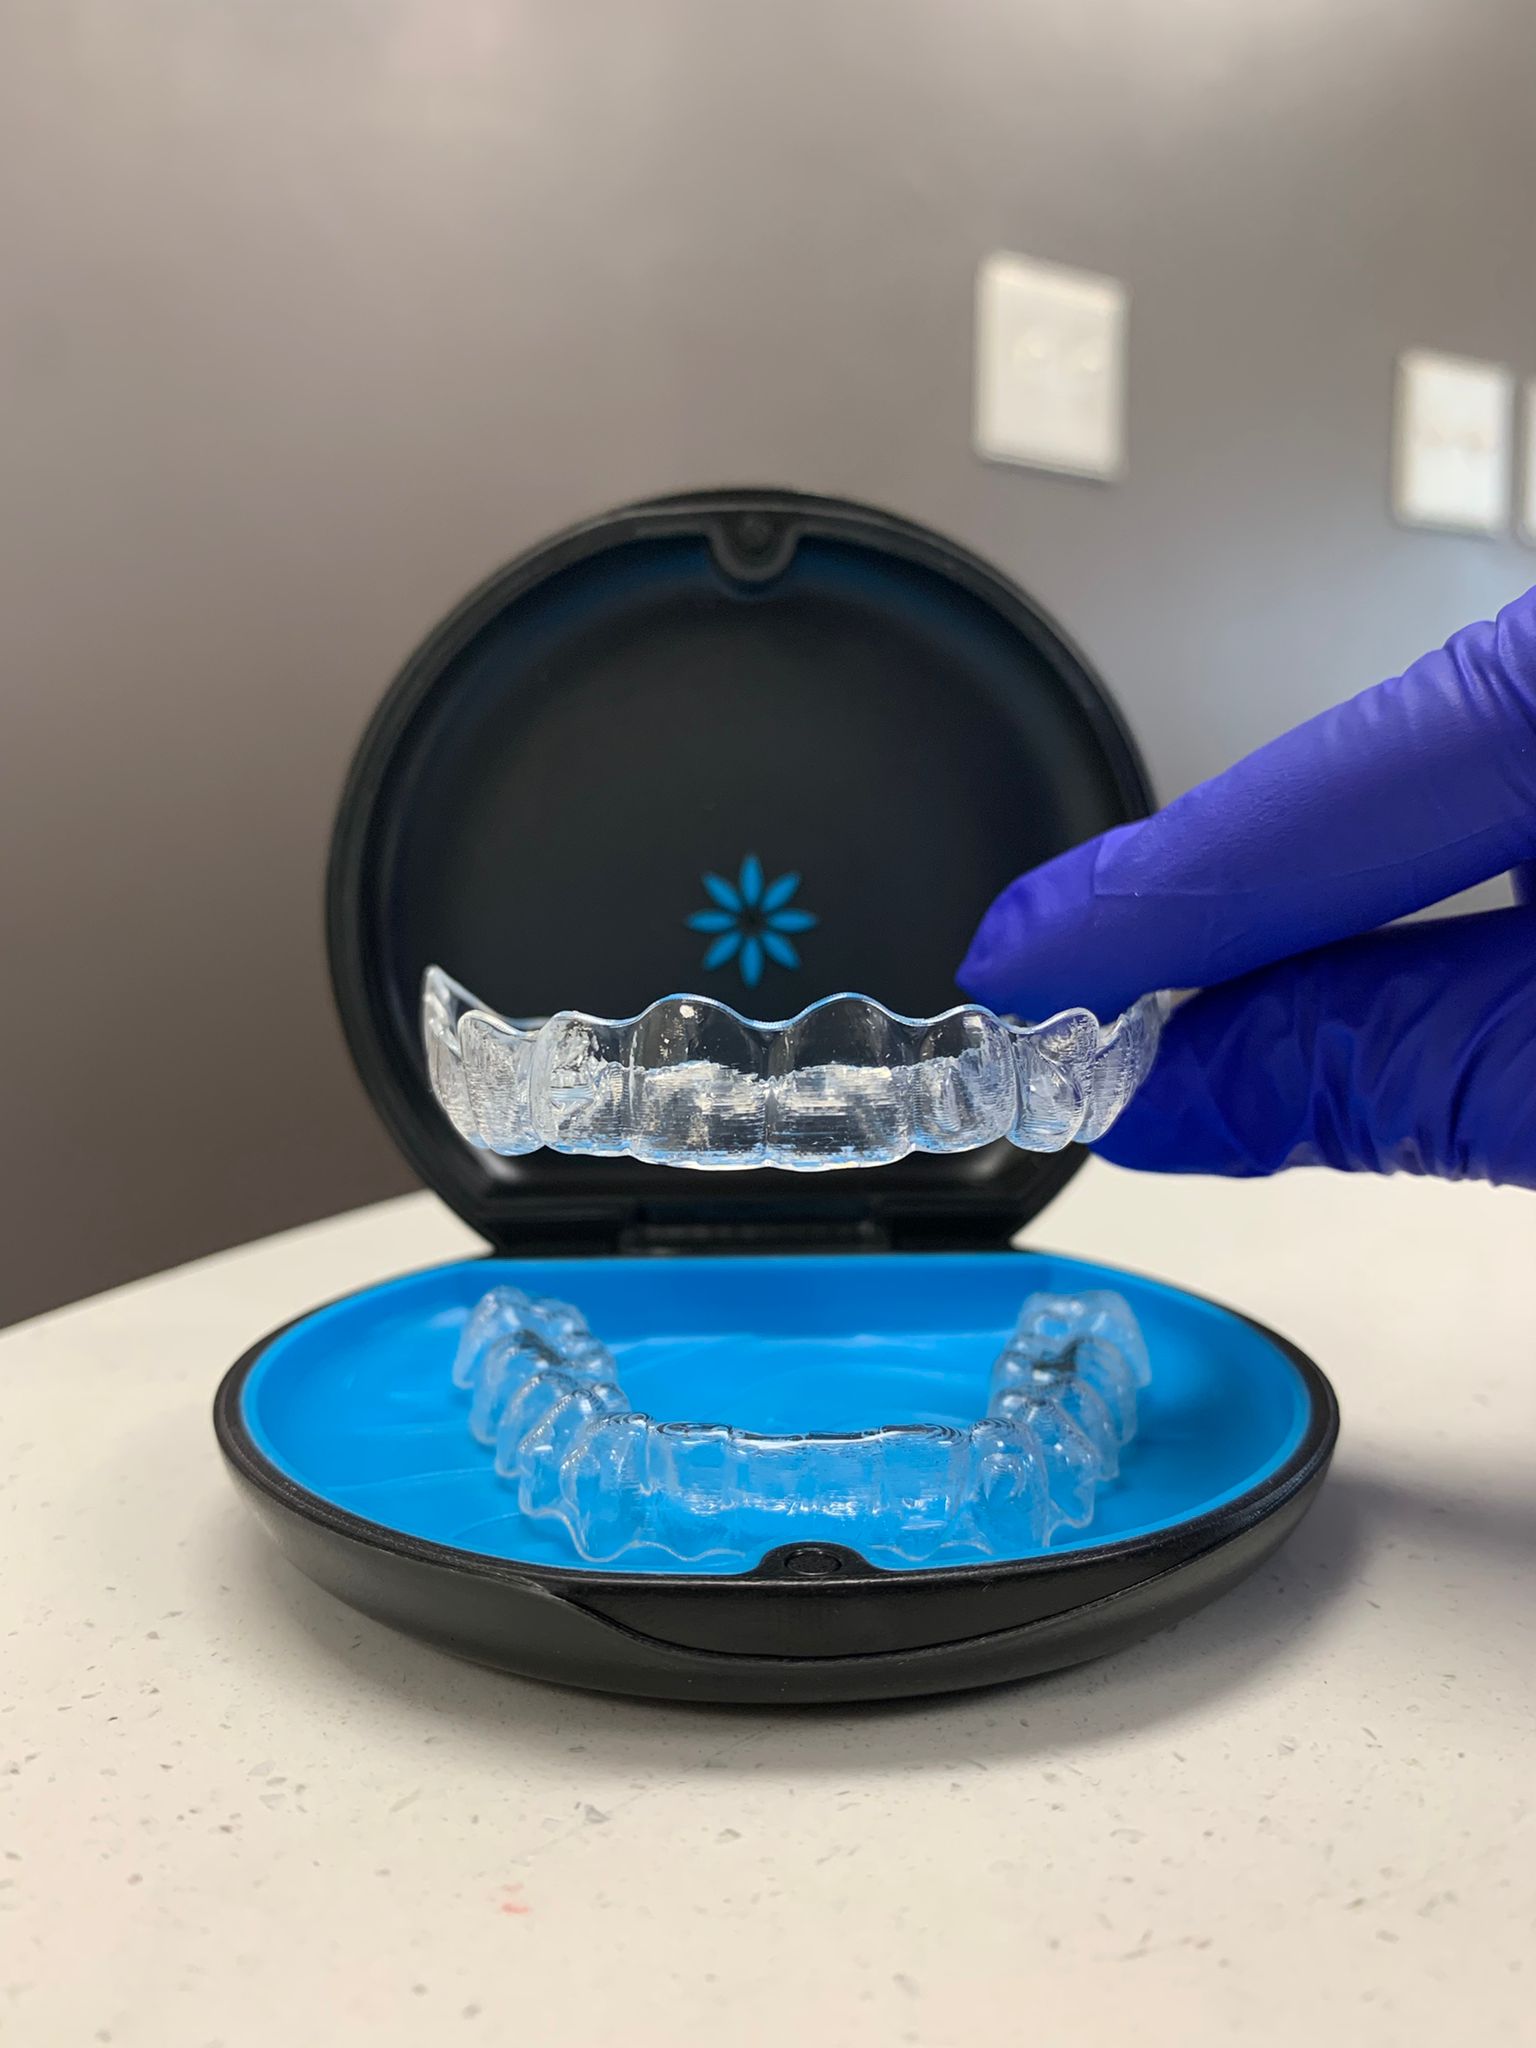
(864, 715)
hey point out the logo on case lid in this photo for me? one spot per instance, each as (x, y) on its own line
(751, 921)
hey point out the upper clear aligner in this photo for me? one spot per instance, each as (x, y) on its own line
(545, 1393)
(691, 1082)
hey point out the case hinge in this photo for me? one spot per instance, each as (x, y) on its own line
(756, 1234)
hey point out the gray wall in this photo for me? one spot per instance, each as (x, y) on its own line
(312, 311)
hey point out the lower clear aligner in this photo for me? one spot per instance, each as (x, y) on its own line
(690, 1082)
(545, 1395)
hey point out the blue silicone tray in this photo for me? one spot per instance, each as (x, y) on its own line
(354, 1404)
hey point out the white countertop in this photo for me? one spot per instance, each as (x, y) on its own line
(236, 1813)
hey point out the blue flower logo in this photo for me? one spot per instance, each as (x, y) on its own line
(752, 921)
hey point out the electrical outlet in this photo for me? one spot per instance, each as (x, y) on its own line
(1453, 431)
(1050, 367)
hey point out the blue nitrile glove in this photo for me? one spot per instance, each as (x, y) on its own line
(1409, 1049)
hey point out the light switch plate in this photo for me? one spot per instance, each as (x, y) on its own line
(1452, 453)
(1050, 367)
(1528, 480)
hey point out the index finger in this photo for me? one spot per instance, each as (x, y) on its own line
(1392, 801)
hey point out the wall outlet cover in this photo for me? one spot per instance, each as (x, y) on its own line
(1050, 367)
(1453, 429)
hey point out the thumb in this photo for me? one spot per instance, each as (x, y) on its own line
(1411, 1050)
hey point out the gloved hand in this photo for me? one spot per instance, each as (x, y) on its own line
(1318, 1039)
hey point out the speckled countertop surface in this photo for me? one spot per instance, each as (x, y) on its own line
(235, 1813)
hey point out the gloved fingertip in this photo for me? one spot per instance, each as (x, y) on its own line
(981, 973)
(999, 948)
(1035, 949)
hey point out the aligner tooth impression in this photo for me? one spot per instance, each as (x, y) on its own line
(690, 1082)
(545, 1397)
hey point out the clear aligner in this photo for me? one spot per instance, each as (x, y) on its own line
(690, 1082)
(545, 1396)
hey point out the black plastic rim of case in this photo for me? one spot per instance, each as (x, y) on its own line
(618, 1205)
(758, 1637)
